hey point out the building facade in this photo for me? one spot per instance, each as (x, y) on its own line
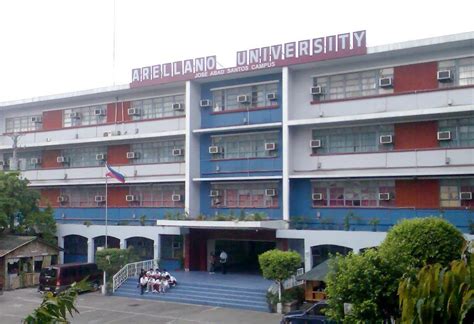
(313, 154)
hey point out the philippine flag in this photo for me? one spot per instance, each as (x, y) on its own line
(114, 173)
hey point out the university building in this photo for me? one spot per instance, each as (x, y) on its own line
(316, 146)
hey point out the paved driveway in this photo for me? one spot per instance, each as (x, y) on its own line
(95, 308)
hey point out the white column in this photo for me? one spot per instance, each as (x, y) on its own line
(192, 156)
(286, 84)
(61, 253)
(308, 258)
(157, 247)
(123, 244)
(90, 250)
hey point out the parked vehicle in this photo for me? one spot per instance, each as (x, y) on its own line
(310, 315)
(59, 277)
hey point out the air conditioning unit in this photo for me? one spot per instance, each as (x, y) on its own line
(100, 157)
(444, 136)
(384, 196)
(270, 192)
(465, 195)
(243, 99)
(35, 161)
(317, 196)
(175, 197)
(315, 143)
(75, 115)
(99, 198)
(214, 193)
(133, 155)
(99, 112)
(214, 149)
(111, 133)
(36, 119)
(386, 139)
(178, 106)
(61, 159)
(270, 146)
(62, 199)
(386, 82)
(444, 76)
(178, 152)
(205, 103)
(317, 91)
(131, 198)
(133, 112)
(272, 96)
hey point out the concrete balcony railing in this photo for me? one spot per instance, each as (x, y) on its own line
(394, 163)
(166, 172)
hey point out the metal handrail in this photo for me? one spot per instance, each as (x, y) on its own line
(132, 270)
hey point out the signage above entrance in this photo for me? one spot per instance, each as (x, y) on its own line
(304, 51)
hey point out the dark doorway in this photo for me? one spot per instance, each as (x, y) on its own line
(243, 255)
(112, 243)
(322, 252)
(75, 249)
(142, 247)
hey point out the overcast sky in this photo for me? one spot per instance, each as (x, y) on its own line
(50, 47)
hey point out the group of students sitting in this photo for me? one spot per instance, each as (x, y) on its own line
(155, 281)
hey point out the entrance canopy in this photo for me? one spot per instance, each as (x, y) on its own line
(267, 224)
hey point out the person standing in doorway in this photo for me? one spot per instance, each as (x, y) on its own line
(212, 263)
(223, 261)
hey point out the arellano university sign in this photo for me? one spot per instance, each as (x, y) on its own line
(304, 51)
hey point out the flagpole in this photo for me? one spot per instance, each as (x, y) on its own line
(104, 286)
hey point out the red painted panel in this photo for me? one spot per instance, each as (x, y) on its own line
(417, 193)
(117, 154)
(416, 135)
(116, 196)
(124, 108)
(49, 196)
(415, 77)
(49, 159)
(52, 119)
(111, 113)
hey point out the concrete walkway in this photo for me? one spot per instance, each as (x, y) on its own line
(95, 308)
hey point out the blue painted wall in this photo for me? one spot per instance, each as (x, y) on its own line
(209, 120)
(304, 216)
(238, 167)
(206, 209)
(115, 215)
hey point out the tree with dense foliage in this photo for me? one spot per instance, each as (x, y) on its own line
(55, 308)
(369, 282)
(112, 260)
(19, 211)
(417, 241)
(279, 265)
(439, 294)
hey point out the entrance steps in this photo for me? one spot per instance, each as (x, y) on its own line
(212, 292)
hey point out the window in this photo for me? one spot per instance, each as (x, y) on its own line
(353, 193)
(158, 107)
(462, 132)
(352, 85)
(462, 69)
(82, 196)
(84, 156)
(244, 195)
(84, 116)
(242, 146)
(226, 99)
(158, 152)
(158, 195)
(25, 161)
(171, 246)
(23, 124)
(352, 139)
(450, 192)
